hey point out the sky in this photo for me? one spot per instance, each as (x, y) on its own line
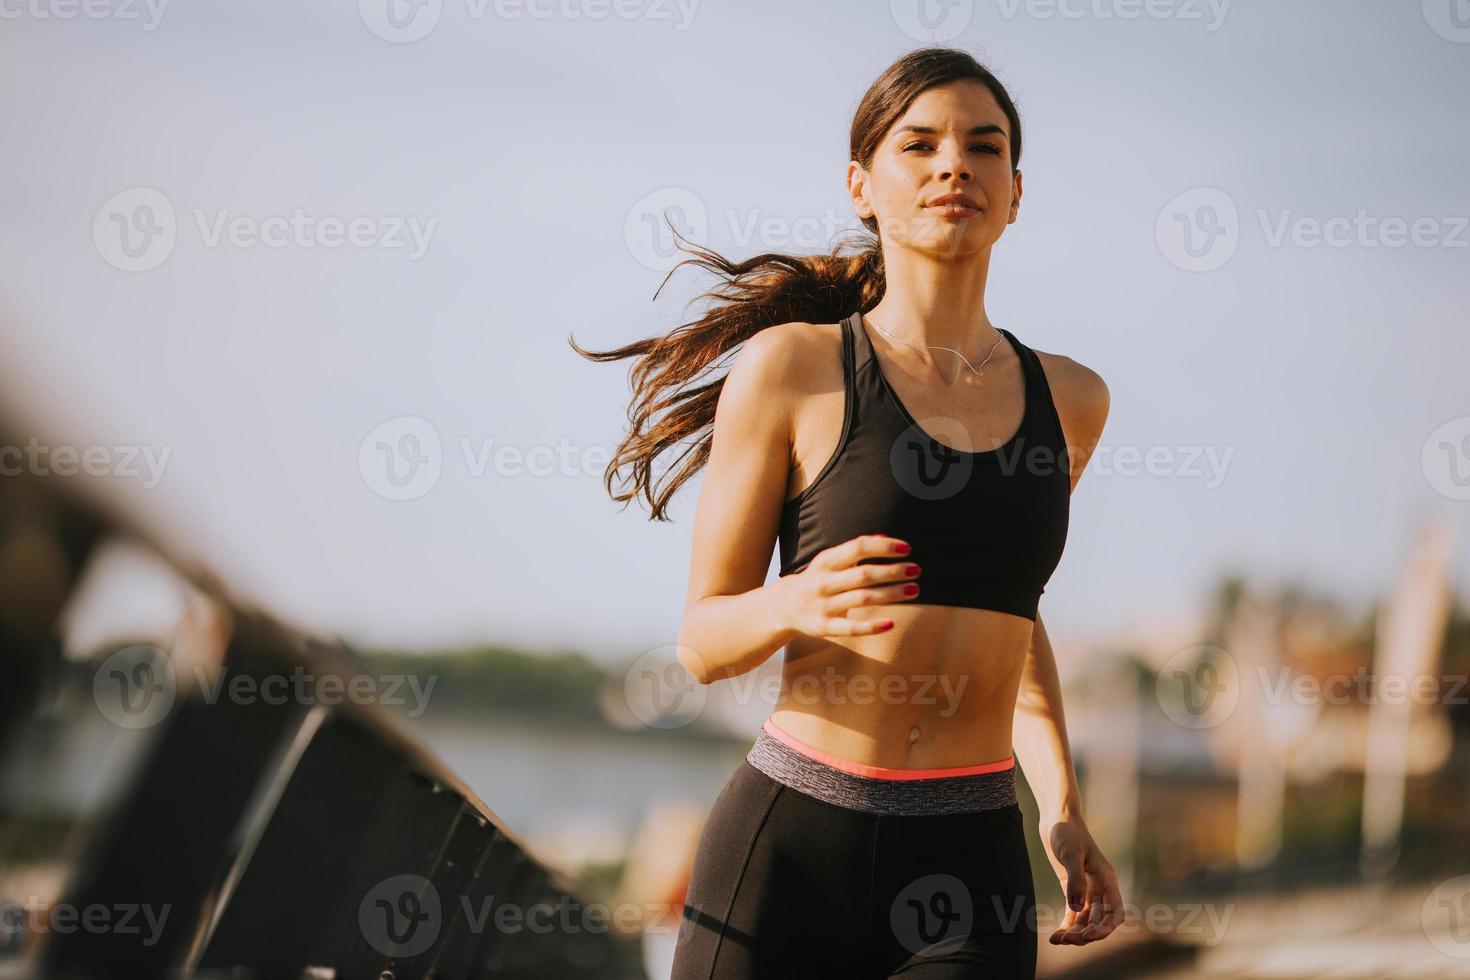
(294, 272)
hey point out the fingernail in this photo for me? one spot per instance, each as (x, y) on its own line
(910, 589)
(911, 569)
(901, 548)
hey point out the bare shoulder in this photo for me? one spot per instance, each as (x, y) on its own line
(779, 365)
(1080, 394)
(793, 359)
(797, 340)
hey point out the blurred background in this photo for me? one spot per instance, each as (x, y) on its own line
(287, 294)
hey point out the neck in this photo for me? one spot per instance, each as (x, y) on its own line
(931, 303)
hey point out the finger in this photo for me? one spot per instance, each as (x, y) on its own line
(842, 626)
(1096, 902)
(1107, 896)
(1090, 912)
(836, 622)
(862, 576)
(882, 595)
(1114, 901)
(1115, 898)
(1106, 902)
(1075, 886)
(1094, 926)
(1073, 936)
(1081, 920)
(1059, 934)
(866, 546)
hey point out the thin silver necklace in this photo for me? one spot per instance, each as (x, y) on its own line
(998, 338)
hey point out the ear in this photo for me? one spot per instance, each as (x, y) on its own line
(857, 188)
(1015, 197)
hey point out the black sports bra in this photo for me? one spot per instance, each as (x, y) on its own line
(986, 528)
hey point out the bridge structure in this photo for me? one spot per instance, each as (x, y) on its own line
(294, 837)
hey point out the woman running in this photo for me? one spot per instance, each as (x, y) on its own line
(914, 463)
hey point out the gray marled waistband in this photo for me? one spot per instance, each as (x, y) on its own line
(941, 794)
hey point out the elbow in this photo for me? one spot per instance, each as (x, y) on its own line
(694, 665)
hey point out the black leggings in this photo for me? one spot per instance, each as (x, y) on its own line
(785, 884)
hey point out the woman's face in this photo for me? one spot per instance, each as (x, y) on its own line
(954, 139)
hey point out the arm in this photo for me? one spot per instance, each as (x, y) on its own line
(732, 622)
(1040, 729)
(1089, 882)
(1040, 733)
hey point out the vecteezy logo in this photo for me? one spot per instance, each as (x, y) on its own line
(135, 687)
(932, 20)
(400, 916)
(1446, 458)
(1198, 687)
(400, 21)
(1199, 230)
(933, 915)
(647, 227)
(1450, 19)
(401, 459)
(135, 229)
(659, 691)
(1445, 917)
(926, 468)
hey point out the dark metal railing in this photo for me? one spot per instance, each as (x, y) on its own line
(265, 837)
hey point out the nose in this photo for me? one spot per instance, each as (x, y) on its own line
(953, 166)
(956, 169)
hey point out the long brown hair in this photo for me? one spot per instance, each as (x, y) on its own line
(765, 290)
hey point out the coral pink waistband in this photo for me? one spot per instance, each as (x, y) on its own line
(883, 772)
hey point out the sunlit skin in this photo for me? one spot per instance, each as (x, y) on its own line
(937, 269)
(945, 686)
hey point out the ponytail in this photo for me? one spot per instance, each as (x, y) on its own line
(759, 292)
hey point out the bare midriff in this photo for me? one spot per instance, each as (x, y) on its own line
(936, 691)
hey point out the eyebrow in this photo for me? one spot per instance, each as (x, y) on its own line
(986, 130)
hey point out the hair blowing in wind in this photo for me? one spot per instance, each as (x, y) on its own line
(673, 399)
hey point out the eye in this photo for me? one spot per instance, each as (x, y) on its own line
(990, 148)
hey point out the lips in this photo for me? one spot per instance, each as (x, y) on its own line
(963, 200)
(953, 210)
